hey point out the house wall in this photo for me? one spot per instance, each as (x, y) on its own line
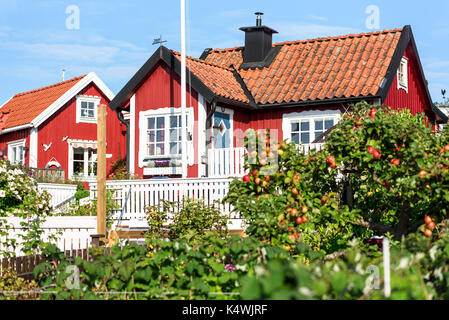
(15, 136)
(63, 124)
(416, 98)
(162, 89)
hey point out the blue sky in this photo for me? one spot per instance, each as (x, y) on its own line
(115, 37)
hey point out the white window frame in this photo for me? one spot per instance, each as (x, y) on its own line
(143, 133)
(310, 116)
(404, 83)
(84, 177)
(16, 144)
(89, 99)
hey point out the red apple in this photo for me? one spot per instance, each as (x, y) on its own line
(294, 212)
(257, 180)
(376, 154)
(371, 150)
(372, 113)
(262, 162)
(304, 219)
(427, 219)
(255, 172)
(267, 178)
(295, 191)
(395, 162)
(330, 159)
(428, 233)
(304, 209)
(299, 220)
(246, 178)
(431, 225)
(446, 147)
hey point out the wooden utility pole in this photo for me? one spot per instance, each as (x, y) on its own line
(101, 170)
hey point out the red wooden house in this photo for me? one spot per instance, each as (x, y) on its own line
(298, 89)
(55, 127)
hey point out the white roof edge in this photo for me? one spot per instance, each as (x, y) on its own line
(16, 128)
(61, 101)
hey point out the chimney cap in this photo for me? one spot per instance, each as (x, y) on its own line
(258, 25)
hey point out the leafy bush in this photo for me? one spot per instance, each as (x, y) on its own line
(164, 270)
(13, 287)
(191, 218)
(380, 173)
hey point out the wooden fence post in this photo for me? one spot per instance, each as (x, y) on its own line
(101, 170)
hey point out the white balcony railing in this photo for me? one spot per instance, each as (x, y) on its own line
(226, 162)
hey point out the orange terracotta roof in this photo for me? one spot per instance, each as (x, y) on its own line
(316, 69)
(25, 107)
(218, 78)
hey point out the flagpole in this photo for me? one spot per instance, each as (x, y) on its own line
(183, 91)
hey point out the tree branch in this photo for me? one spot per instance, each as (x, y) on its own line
(373, 226)
(335, 255)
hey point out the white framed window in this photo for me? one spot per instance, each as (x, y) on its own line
(303, 128)
(160, 134)
(86, 109)
(83, 160)
(403, 74)
(16, 152)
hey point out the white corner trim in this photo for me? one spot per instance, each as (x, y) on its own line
(69, 94)
(132, 133)
(287, 118)
(163, 112)
(201, 135)
(33, 148)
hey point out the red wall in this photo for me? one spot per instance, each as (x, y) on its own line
(162, 89)
(415, 99)
(14, 136)
(63, 124)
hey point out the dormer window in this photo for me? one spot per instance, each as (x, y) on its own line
(402, 74)
(86, 109)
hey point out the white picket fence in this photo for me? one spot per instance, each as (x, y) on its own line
(134, 196)
(60, 193)
(72, 233)
(311, 146)
(226, 162)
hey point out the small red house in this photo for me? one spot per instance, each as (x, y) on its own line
(298, 89)
(55, 127)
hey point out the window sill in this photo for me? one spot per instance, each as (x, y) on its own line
(85, 120)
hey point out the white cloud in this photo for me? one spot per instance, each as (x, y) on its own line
(314, 17)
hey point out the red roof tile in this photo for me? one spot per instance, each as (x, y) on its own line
(25, 107)
(219, 79)
(316, 69)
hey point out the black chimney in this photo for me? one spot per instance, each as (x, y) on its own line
(258, 41)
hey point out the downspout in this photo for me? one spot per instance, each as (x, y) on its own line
(126, 123)
(208, 125)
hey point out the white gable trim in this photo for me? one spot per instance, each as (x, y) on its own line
(91, 77)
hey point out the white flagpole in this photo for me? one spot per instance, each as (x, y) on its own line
(183, 91)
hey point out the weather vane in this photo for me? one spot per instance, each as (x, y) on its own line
(443, 92)
(159, 41)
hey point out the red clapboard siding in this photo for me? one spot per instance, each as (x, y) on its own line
(63, 124)
(416, 98)
(15, 136)
(162, 89)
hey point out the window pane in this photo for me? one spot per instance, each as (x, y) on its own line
(295, 126)
(78, 154)
(318, 124)
(295, 138)
(83, 113)
(305, 138)
(317, 134)
(90, 114)
(151, 136)
(150, 123)
(305, 126)
(91, 106)
(174, 134)
(78, 168)
(160, 135)
(160, 122)
(174, 148)
(151, 149)
(173, 121)
(83, 105)
(329, 124)
(160, 149)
